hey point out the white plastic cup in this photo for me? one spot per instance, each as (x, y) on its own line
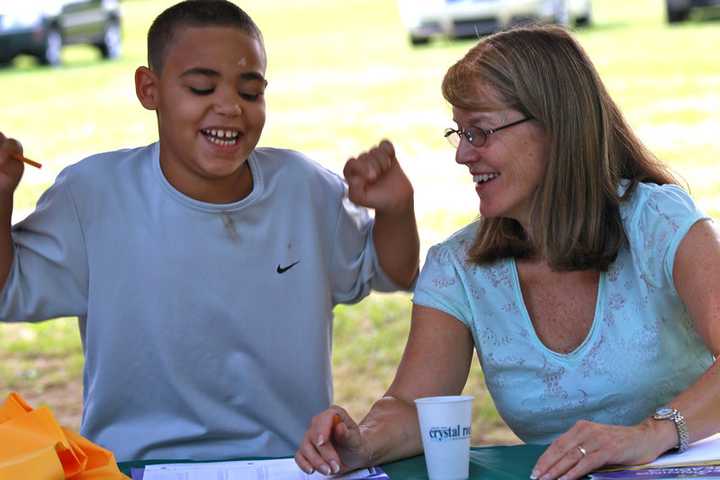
(445, 426)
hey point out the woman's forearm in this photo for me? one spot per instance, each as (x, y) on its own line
(391, 431)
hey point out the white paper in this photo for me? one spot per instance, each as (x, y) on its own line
(700, 452)
(277, 469)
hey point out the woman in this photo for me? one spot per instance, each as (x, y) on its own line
(590, 286)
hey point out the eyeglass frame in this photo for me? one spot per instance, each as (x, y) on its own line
(484, 134)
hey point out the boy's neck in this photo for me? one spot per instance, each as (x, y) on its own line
(227, 189)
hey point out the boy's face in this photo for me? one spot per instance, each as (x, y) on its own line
(210, 105)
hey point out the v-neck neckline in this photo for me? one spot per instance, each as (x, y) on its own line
(599, 304)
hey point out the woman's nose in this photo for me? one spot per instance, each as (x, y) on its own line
(465, 152)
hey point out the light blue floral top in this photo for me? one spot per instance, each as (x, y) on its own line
(640, 352)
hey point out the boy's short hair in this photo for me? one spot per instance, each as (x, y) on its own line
(194, 13)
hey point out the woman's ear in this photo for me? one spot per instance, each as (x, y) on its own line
(146, 87)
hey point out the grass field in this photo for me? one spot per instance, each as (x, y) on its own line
(342, 76)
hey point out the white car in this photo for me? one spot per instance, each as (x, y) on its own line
(424, 19)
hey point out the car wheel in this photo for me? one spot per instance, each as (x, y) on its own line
(110, 47)
(584, 20)
(50, 54)
(676, 16)
(677, 12)
(416, 40)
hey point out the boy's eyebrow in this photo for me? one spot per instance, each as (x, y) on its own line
(253, 76)
(209, 72)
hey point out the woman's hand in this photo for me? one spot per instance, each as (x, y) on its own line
(588, 446)
(332, 444)
(436, 362)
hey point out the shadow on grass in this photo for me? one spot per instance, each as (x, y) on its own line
(27, 65)
(706, 14)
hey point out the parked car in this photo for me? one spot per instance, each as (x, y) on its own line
(679, 10)
(42, 27)
(425, 19)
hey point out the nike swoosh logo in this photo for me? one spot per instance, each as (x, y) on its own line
(285, 269)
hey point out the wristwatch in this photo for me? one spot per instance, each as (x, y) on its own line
(672, 414)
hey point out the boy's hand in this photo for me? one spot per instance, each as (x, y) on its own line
(11, 169)
(375, 180)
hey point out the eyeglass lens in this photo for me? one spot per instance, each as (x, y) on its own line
(474, 136)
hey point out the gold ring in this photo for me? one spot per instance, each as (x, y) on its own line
(582, 451)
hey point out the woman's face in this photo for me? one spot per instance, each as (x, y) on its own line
(508, 168)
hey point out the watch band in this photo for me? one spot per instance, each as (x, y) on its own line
(672, 414)
(682, 431)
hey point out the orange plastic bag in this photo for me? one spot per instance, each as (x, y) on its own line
(33, 445)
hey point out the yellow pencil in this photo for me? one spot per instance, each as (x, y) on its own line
(27, 160)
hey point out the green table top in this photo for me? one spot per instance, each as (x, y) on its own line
(486, 463)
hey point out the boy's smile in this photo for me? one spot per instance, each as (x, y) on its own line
(210, 104)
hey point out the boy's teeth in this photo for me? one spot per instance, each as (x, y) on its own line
(484, 177)
(221, 136)
(222, 142)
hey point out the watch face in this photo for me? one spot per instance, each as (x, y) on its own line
(663, 413)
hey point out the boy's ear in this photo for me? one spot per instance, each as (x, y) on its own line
(147, 87)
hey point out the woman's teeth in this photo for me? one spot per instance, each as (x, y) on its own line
(220, 136)
(485, 177)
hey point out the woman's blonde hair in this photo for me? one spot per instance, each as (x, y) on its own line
(544, 73)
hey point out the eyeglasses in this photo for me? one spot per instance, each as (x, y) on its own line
(476, 136)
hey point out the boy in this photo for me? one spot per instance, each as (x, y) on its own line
(204, 271)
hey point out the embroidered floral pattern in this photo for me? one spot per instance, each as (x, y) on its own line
(443, 282)
(499, 275)
(616, 301)
(477, 292)
(592, 364)
(490, 337)
(511, 307)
